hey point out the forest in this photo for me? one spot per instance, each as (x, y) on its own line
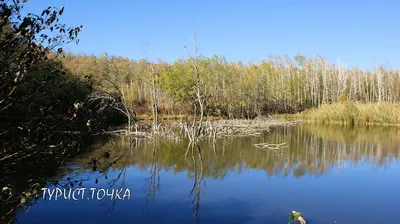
(236, 89)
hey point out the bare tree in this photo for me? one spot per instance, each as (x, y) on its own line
(153, 76)
(109, 99)
(199, 98)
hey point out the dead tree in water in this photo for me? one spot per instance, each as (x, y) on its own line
(196, 132)
(154, 75)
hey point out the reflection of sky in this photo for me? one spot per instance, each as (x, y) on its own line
(354, 194)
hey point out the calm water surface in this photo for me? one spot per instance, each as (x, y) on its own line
(331, 174)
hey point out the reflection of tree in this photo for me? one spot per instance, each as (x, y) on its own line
(122, 172)
(197, 190)
(312, 150)
(152, 184)
(98, 167)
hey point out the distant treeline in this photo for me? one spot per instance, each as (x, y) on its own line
(278, 85)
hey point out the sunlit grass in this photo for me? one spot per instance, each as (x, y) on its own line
(354, 113)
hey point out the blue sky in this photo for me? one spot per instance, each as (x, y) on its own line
(359, 33)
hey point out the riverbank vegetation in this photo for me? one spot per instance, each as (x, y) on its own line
(354, 113)
(240, 90)
(235, 90)
(42, 105)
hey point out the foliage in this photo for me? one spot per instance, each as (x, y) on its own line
(177, 80)
(37, 92)
(25, 40)
(41, 102)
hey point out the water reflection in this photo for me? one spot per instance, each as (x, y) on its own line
(198, 179)
(311, 151)
(152, 183)
(193, 158)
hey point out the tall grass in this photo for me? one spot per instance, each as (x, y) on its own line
(354, 113)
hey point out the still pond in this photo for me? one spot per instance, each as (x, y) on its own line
(331, 174)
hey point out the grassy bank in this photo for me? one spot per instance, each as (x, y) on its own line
(354, 113)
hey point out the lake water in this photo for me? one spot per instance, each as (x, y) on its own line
(331, 174)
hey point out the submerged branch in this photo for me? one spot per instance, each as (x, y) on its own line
(272, 147)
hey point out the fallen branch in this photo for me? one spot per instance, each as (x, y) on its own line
(272, 147)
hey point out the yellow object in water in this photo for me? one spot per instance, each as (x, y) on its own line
(297, 216)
